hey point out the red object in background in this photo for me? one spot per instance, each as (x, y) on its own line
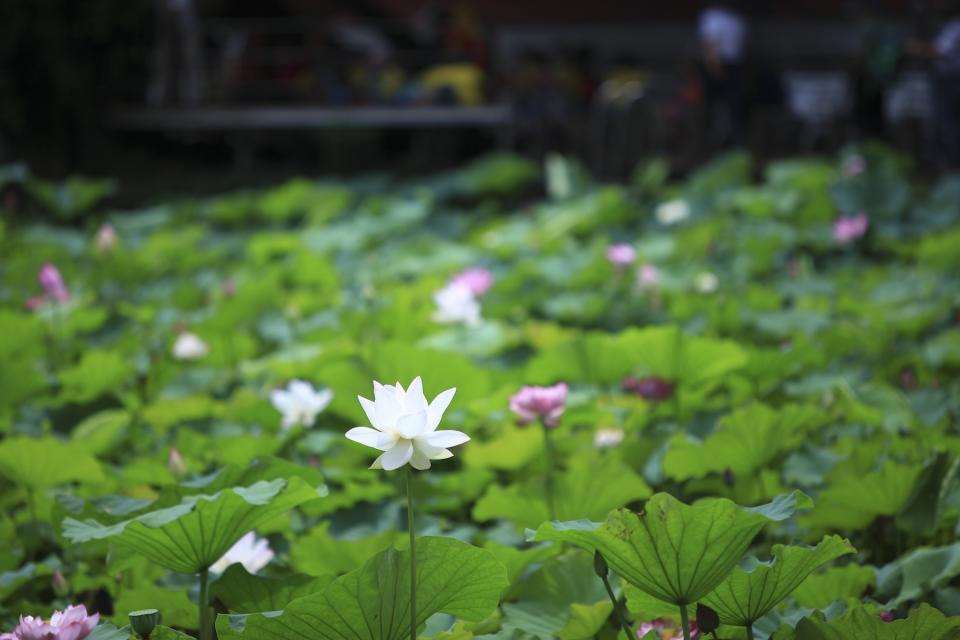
(650, 388)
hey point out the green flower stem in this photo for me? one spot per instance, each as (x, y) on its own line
(617, 610)
(685, 621)
(413, 555)
(206, 628)
(550, 456)
(749, 632)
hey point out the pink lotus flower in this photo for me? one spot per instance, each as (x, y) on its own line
(621, 255)
(846, 229)
(544, 403)
(667, 629)
(106, 238)
(648, 276)
(52, 283)
(72, 623)
(477, 279)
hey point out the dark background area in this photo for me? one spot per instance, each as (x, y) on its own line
(82, 90)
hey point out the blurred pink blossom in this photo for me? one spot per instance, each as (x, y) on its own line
(72, 623)
(648, 276)
(667, 629)
(846, 229)
(477, 279)
(52, 283)
(545, 403)
(106, 238)
(621, 255)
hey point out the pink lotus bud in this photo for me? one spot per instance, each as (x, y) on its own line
(887, 616)
(72, 623)
(621, 255)
(477, 279)
(175, 463)
(229, 288)
(52, 283)
(106, 238)
(846, 229)
(544, 403)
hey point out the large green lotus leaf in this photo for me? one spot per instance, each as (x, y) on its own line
(97, 373)
(744, 441)
(662, 351)
(853, 501)
(921, 571)
(755, 587)
(195, 533)
(923, 623)
(564, 598)
(836, 583)
(675, 552)
(319, 553)
(175, 604)
(585, 491)
(102, 432)
(46, 462)
(241, 592)
(373, 602)
(511, 450)
(400, 362)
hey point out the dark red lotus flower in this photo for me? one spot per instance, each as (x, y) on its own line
(650, 388)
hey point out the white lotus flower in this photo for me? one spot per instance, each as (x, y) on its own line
(672, 212)
(456, 303)
(405, 426)
(300, 403)
(252, 552)
(189, 346)
(607, 437)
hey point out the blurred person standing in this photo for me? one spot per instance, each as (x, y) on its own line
(946, 85)
(723, 33)
(944, 51)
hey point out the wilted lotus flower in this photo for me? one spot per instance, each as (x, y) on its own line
(544, 403)
(477, 279)
(52, 283)
(607, 437)
(252, 552)
(648, 277)
(621, 255)
(666, 629)
(672, 212)
(456, 303)
(706, 282)
(300, 403)
(854, 165)
(189, 346)
(72, 623)
(405, 426)
(650, 388)
(846, 229)
(106, 238)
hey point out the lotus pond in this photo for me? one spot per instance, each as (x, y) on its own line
(720, 407)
